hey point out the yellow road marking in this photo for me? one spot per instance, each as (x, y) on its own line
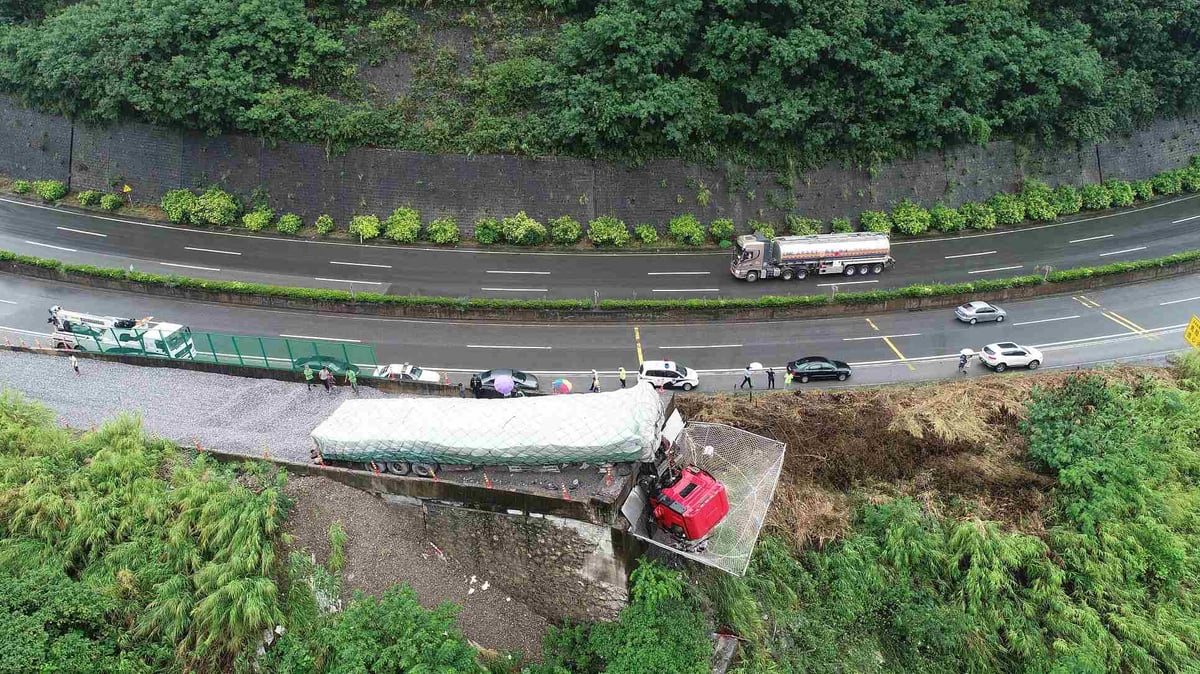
(637, 338)
(1121, 320)
(872, 324)
(898, 354)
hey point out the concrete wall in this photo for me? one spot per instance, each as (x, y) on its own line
(305, 179)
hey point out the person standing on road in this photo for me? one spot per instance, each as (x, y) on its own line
(476, 385)
(75, 365)
(595, 387)
(324, 375)
(621, 376)
(746, 378)
(308, 375)
(962, 363)
(787, 378)
(770, 377)
(352, 380)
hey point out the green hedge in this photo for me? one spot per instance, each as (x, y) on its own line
(565, 230)
(443, 231)
(403, 225)
(89, 198)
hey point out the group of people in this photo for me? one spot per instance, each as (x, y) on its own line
(747, 381)
(328, 380)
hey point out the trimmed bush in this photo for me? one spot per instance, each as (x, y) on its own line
(111, 202)
(179, 205)
(946, 219)
(365, 226)
(1191, 178)
(89, 198)
(608, 231)
(647, 234)
(289, 223)
(1009, 209)
(22, 186)
(1144, 189)
(1165, 183)
(1121, 192)
(50, 190)
(798, 226)
(725, 244)
(721, 230)
(909, 218)
(1038, 200)
(565, 230)
(325, 224)
(763, 229)
(403, 225)
(686, 229)
(841, 226)
(875, 221)
(216, 207)
(522, 230)
(487, 231)
(258, 219)
(977, 215)
(1066, 200)
(442, 231)
(1095, 197)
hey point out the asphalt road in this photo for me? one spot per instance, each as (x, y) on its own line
(1159, 229)
(1140, 322)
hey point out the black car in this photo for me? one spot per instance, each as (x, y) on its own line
(336, 366)
(523, 380)
(819, 367)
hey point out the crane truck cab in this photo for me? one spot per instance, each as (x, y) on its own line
(795, 257)
(109, 334)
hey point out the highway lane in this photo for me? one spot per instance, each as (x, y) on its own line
(1130, 322)
(1158, 229)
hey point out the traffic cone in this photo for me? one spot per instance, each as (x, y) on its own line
(565, 495)
(446, 378)
(374, 468)
(487, 481)
(608, 478)
(7, 342)
(22, 342)
(433, 474)
(37, 343)
(266, 455)
(196, 444)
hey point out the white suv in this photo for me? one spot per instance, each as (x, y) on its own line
(1003, 355)
(668, 374)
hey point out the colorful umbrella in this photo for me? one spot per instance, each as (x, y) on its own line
(561, 386)
(504, 384)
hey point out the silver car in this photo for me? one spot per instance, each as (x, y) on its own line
(979, 312)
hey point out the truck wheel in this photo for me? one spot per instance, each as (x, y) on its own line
(789, 274)
(877, 269)
(60, 345)
(849, 270)
(425, 469)
(78, 348)
(751, 276)
(398, 467)
(801, 274)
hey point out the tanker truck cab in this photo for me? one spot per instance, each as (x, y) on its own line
(795, 257)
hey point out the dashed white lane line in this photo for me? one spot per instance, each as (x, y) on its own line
(1092, 238)
(844, 283)
(7, 302)
(686, 290)
(988, 252)
(188, 266)
(324, 339)
(46, 245)
(705, 346)
(988, 271)
(362, 264)
(505, 346)
(1127, 250)
(83, 231)
(1176, 222)
(212, 250)
(342, 280)
(859, 339)
(503, 271)
(516, 290)
(678, 273)
(1186, 299)
(1047, 320)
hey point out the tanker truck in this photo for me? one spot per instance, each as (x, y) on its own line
(795, 257)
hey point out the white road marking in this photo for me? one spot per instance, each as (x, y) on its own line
(1176, 222)
(844, 283)
(342, 280)
(985, 271)
(362, 264)
(7, 302)
(1186, 299)
(686, 290)
(46, 245)
(501, 271)
(188, 266)
(1127, 250)
(678, 273)
(212, 250)
(1092, 238)
(990, 252)
(706, 346)
(324, 339)
(80, 231)
(859, 339)
(517, 290)
(496, 346)
(1047, 320)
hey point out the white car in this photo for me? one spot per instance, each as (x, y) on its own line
(406, 372)
(668, 374)
(1003, 355)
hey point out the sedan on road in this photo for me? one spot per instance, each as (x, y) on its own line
(819, 367)
(406, 372)
(978, 312)
(1003, 355)
(523, 380)
(336, 366)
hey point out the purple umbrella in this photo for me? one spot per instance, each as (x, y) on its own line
(504, 384)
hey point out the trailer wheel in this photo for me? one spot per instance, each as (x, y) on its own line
(751, 276)
(864, 269)
(849, 270)
(789, 274)
(78, 348)
(60, 345)
(424, 469)
(398, 467)
(877, 269)
(801, 274)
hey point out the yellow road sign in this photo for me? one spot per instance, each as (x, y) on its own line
(127, 189)
(1192, 333)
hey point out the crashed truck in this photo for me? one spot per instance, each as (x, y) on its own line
(701, 490)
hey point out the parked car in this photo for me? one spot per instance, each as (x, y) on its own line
(406, 372)
(1003, 355)
(819, 367)
(668, 374)
(336, 366)
(523, 380)
(979, 312)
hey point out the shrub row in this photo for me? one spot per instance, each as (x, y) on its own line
(698, 305)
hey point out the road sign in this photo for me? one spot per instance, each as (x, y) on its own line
(1192, 333)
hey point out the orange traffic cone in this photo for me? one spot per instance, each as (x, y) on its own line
(433, 474)
(608, 478)
(266, 454)
(487, 481)
(374, 468)
(565, 495)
